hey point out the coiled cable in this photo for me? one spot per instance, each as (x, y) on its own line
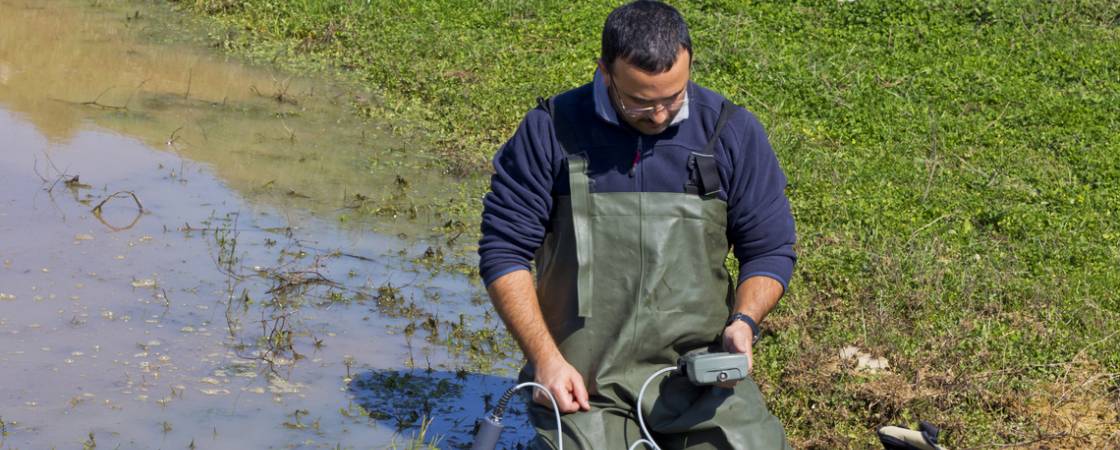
(648, 439)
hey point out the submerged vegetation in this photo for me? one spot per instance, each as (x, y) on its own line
(301, 278)
(953, 171)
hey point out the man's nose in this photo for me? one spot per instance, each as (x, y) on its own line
(660, 115)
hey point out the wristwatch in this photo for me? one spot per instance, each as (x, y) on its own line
(755, 332)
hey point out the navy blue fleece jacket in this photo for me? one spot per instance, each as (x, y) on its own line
(530, 171)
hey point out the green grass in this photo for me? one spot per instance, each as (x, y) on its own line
(418, 441)
(954, 171)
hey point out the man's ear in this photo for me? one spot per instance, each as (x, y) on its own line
(603, 70)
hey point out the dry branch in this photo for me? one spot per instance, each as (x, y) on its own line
(97, 209)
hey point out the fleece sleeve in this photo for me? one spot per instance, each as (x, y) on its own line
(759, 222)
(515, 211)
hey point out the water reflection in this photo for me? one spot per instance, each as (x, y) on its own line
(450, 401)
(226, 298)
(271, 137)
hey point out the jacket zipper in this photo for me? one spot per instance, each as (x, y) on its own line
(637, 159)
(641, 227)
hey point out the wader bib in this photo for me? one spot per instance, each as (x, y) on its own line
(628, 282)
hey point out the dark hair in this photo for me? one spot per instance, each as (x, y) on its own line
(647, 34)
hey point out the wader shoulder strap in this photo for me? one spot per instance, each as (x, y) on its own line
(705, 163)
(580, 187)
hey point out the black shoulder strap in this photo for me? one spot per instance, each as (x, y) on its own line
(725, 111)
(545, 104)
(706, 167)
(579, 185)
(564, 132)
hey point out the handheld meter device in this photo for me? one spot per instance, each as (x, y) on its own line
(711, 368)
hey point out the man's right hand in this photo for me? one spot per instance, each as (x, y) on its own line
(565, 383)
(515, 298)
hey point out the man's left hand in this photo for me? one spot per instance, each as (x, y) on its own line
(737, 338)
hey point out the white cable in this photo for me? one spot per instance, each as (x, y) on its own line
(555, 409)
(642, 441)
(641, 421)
(648, 440)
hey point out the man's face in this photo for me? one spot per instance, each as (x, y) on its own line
(647, 101)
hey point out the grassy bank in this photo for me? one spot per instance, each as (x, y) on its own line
(954, 171)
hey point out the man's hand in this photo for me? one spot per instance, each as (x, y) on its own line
(754, 297)
(737, 338)
(516, 301)
(564, 382)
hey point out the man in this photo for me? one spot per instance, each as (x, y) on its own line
(628, 192)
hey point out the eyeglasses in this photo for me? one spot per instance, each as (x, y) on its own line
(673, 104)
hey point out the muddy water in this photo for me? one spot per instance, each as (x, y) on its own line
(272, 137)
(228, 295)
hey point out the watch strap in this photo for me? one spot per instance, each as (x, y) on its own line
(755, 332)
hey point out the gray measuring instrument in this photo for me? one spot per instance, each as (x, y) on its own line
(711, 368)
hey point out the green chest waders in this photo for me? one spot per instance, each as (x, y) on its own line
(628, 282)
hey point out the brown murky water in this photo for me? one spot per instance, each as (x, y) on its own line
(231, 303)
(271, 137)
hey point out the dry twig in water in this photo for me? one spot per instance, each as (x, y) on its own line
(97, 209)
